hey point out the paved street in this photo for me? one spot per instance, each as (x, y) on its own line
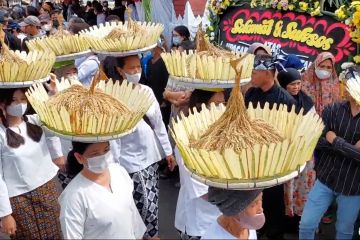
(168, 199)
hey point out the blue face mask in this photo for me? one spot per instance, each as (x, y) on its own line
(176, 40)
(148, 54)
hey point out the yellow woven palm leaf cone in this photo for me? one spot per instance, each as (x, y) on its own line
(61, 42)
(207, 63)
(120, 37)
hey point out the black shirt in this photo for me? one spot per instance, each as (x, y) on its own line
(13, 42)
(119, 11)
(156, 78)
(303, 101)
(338, 164)
(276, 94)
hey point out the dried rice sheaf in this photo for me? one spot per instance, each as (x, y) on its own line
(78, 99)
(234, 129)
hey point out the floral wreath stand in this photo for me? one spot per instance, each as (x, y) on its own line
(347, 11)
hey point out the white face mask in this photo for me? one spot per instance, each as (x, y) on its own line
(322, 74)
(17, 110)
(99, 164)
(251, 222)
(176, 40)
(46, 27)
(134, 78)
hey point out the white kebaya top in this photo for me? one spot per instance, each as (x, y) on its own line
(91, 211)
(27, 167)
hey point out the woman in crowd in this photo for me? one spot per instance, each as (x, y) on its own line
(242, 214)
(89, 14)
(139, 152)
(176, 95)
(100, 14)
(296, 191)
(180, 34)
(98, 203)
(290, 80)
(321, 82)
(45, 11)
(86, 66)
(193, 213)
(134, 14)
(28, 193)
(157, 77)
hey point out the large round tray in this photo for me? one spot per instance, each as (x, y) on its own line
(22, 84)
(73, 56)
(197, 83)
(249, 184)
(88, 139)
(124, 53)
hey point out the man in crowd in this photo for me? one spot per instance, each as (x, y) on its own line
(266, 90)
(337, 169)
(31, 26)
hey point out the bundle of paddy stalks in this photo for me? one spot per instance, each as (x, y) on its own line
(61, 42)
(234, 129)
(121, 37)
(78, 99)
(105, 108)
(207, 63)
(21, 66)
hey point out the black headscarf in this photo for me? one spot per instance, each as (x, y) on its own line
(287, 76)
(231, 202)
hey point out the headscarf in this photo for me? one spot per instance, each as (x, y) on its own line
(302, 100)
(322, 92)
(287, 76)
(231, 202)
(290, 61)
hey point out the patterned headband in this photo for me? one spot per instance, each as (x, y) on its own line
(264, 62)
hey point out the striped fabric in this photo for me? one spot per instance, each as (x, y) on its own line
(338, 164)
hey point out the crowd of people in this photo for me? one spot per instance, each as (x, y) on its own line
(111, 189)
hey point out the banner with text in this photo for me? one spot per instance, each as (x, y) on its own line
(285, 33)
